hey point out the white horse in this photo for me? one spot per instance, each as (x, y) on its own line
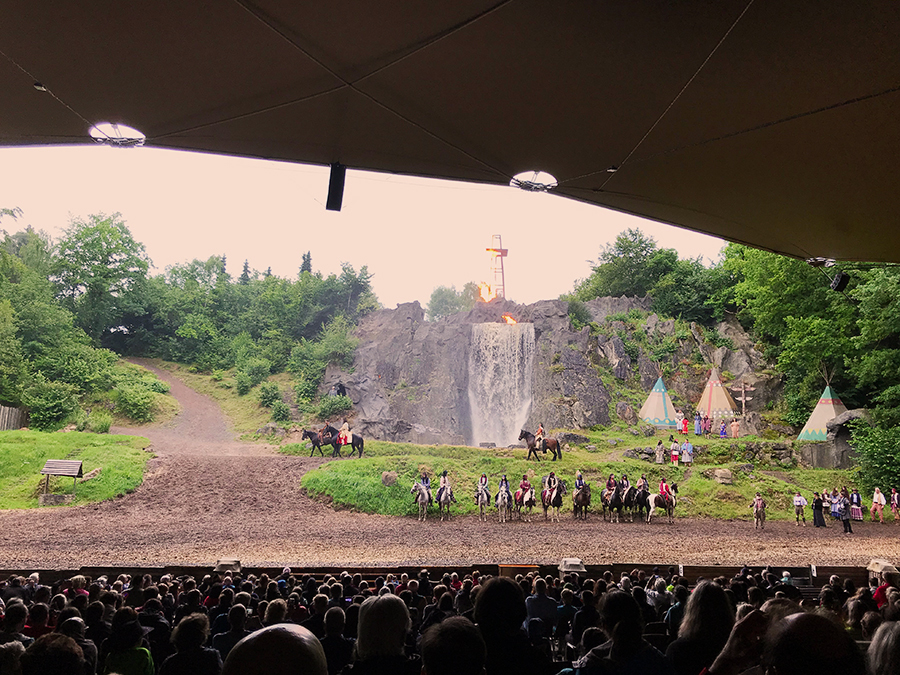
(659, 502)
(444, 504)
(421, 494)
(526, 505)
(484, 501)
(503, 505)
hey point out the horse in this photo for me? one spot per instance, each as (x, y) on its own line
(525, 501)
(315, 439)
(759, 514)
(550, 444)
(612, 502)
(444, 504)
(642, 503)
(553, 501)
(659, 502)
(581, 500)
(484, 500)
(331, 436)
(503, 505)
(421, 494)
(629, 500)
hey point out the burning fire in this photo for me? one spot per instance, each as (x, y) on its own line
(487, 293)
(508, 319)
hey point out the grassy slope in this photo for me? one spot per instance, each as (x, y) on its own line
(23, 454)
(357, 483)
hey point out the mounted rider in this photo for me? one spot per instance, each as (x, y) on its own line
(483, 487)
(551, 487)
(504, 487)
(665, 491)
(445, 485)
(524, 487)
(344, 434)
(579, 484)
(643, 485)
(624, 483)
(539, 437)
(611, 483)
(425, 482)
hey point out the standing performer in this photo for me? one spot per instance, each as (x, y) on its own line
(856, 512)
(698, 424)
(799, 504)
(660, 452)
(673, 449)
(735, 428)
(818, 514)
(895, 503)
(844, 511)
(878, 502)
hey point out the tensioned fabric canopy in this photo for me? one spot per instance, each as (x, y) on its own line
(769, 123)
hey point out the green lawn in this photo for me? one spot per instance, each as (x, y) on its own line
(122, 460)
(356, 483)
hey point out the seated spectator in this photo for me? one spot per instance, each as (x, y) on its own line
(625, 651)
(676, 611)
(13, 624)
(338, 649)
(708, 620)
(225, 642)
(884, 652)
(283, 649)
(10, 655)
(383, 625)
(38, 616)
(453, 647)
(74, 628)
(540, 606)
(276, 612)
(50, 654)
(869, 624)
(191, 657)
(499, 614)
(586, 617)
(97, 629)
(565, 614)
(316, 623)
(151, 616)
(124, 652)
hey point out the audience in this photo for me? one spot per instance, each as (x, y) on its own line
(470, 624)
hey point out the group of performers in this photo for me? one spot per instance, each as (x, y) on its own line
(549, 488)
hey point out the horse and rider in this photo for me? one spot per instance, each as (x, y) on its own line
(551, 495)
(524, 497)
(664, 499)
(537, 443)
(336, 438)
(581, 496)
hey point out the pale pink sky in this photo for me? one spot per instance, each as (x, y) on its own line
(414, 234)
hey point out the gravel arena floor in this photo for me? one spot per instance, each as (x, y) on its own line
(208, 496)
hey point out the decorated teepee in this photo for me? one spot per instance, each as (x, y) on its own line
(658, 409)
(716, 403)
(828, 407)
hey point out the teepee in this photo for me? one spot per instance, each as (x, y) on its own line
(658, 409)
(716, 403)
(828, 407)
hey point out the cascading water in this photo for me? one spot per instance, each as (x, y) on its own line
(501, 357)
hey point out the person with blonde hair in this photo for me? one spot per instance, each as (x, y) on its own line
(383, 625)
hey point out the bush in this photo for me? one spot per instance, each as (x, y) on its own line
(242, 383)
(269, 394)
(217, 375)
(579, 314)
(157, 386)
(281, 412)
(256, 369)
(135, 402)
(49, 404)
(332, 405)
(99, 421)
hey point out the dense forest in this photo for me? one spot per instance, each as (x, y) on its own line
(68, 308)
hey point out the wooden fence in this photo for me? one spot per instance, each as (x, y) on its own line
(12, 418)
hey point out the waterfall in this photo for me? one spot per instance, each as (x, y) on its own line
(500, 364)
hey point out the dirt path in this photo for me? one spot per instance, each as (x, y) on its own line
(208, 496)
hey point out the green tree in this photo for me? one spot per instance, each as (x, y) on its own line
(12, 365)
(98, 267)
(306, 264)
(446, 300)
(245, 274)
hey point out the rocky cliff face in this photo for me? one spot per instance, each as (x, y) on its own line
(410, 378)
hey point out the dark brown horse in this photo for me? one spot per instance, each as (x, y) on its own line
(550, 444)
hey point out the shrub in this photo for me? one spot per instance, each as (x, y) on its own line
(281, 412)
(256, 369)
(269, 394)
(332, 405)
(99, 421)
(135, 402)
(217, 375)
(49, 403)
(157, 386)
(242, 383)
(579, 314)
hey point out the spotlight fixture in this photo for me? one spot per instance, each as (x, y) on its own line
(39, 86)
(840, 281)
(534, 181)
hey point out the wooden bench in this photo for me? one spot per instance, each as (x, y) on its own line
(62, 467)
